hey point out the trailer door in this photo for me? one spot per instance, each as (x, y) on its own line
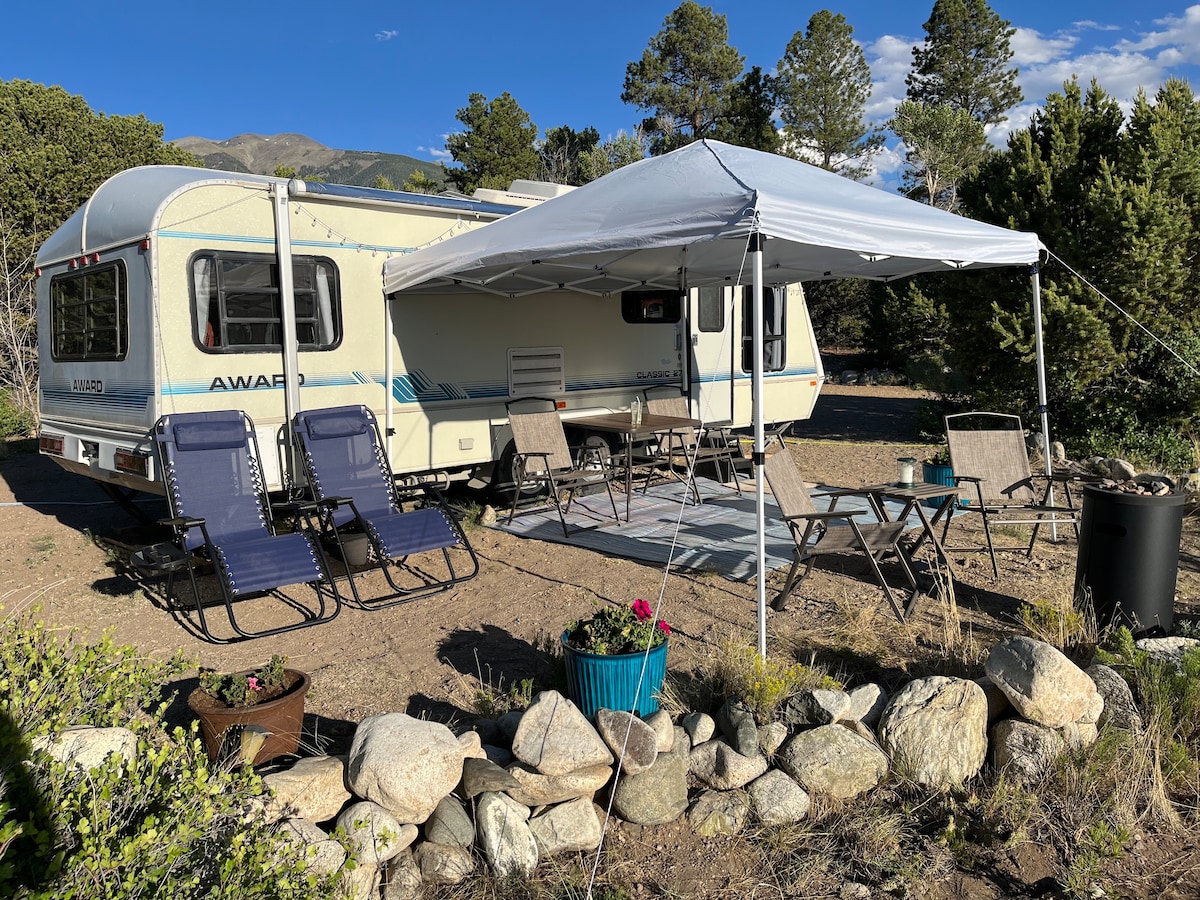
(712, 353)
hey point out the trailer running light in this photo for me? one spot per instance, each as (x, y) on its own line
(560, 404)
(50, 443)
(135, 462)
(95, 257)
(145, 244)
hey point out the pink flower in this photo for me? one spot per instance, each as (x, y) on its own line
(664, 627)
(642, 610)
(253, 684)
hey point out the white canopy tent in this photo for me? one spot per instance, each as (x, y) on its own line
(712, 213)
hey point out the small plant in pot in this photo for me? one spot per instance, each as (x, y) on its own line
(616, 659)
(270, 698)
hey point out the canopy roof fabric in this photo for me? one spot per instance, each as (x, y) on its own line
(692, 211)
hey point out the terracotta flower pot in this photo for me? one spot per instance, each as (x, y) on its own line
(282, 716)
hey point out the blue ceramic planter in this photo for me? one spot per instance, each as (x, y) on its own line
(611, 682)
(933, 474)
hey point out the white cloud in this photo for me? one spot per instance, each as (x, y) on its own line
(386, 35)
(890, 59)
(1182, 32)
(1032, 48)
(438, 153)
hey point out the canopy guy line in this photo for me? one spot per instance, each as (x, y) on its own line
(1187, 365)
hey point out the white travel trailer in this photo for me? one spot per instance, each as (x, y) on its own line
(161, 294)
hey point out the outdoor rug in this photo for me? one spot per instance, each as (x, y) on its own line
(716, 536)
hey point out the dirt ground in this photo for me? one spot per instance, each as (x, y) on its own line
(62, 542)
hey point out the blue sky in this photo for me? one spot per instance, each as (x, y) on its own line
(381, 76)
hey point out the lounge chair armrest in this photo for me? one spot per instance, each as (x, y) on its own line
(845, 492)
(971, 479)
(182, 522)
(302, 506)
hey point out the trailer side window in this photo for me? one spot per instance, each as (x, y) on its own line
(235, 299)
(710, 309)
(651, 307)
(774, 329)
(89, 314)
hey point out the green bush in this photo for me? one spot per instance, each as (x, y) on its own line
(14, 421)
(164, 825)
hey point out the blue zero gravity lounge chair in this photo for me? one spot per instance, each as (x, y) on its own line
(219, 508)
(348, 471)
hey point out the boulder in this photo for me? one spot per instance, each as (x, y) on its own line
(450, 824)
(777, 799)
(442, 863)
(654, 797)
(555, 738)
(719, 812)
(935, 730)
(664, 729)
(375, 833)
(323, 856)
(718, 766)
(405, 765)
(566, 827)
(771, 737)
(1041, 683)
(699, 726)
(1120, 710)
(87, 748)
(481, 775)
(537, 789)
(402, 877)
(833, 760)
(1022, 749)
(632, 742)
(817, 706)
(502, 826)
(1168, 649)
(314, 788)
(736, 722)
(867, 702)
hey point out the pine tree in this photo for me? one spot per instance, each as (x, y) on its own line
(497, 146)
(684, 77)
(751, 119)
(964, 61)
(943, 144)
(823, 85)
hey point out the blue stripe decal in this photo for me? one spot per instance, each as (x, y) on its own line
(417, 387)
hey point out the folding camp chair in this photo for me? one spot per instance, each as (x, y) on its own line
(348, 469)
(873, 540)
(691, 446)
(219, 507)
(543, 460)
(987, 451)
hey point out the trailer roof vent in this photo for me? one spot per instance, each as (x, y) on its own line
(536, 371)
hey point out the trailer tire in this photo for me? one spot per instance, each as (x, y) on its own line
(504, 487)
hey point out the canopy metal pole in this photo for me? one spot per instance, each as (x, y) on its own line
(1040, 352)
(287, 319)
(756, 386)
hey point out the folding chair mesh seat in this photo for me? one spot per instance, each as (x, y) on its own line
(347, 468)
(987, 451)
(693, 445)
(219, 506)
(872, 540)
(544, 459)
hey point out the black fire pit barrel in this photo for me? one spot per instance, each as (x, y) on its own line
(1129, 557)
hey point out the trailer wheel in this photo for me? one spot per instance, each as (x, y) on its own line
(504, 481)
